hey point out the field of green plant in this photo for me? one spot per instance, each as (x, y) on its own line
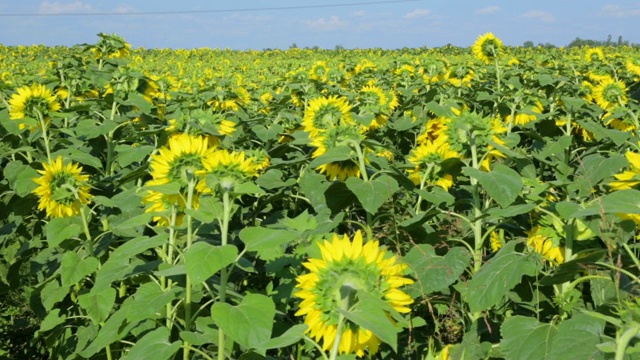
(448, 203)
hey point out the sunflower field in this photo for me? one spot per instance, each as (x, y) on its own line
(446, 203)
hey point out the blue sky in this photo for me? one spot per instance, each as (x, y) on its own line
(390, 25)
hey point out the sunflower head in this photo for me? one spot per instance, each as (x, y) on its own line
(31, 102)
(345, 269)
(546, 242)
(326, 112)
(487, 48)
(338, 136)
(111, 46)
(62, 188)
(230, 168)
(427, 161)
(610, 93)
(594, 55)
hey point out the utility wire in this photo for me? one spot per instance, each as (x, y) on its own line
(211, 11)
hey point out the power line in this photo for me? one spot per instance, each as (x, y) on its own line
(211, 11)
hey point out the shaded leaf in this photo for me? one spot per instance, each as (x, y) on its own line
(502, 183)
(525, 338)
(249, 323)
(373, 193)
(202, 260)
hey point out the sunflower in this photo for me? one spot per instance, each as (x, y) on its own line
(526, 115)
(633, 66)
(230, 98)
(594, 55)
(29, 101)
(230, 167)
(434, 129)
(374, 99)
(345, 269)
(496, 241)
(487, 48)
(460, 75)
(427, 159)
(62, 189)
(545, 242)
(340, 135)
(319, 71)
(610, 93)
(325, 112)
(630, 178)
(181, 162)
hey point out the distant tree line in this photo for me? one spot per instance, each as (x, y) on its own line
(578, 42)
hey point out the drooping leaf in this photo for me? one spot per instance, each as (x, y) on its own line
(202, 260)
(499, 275)
(525, 338)
(502, 184)
(268, 242)
(249, 323)
(373, 193)
(98, 303)
(154, 345)
(73, 268)
(578, 336)
(60, 229)
(436, 273)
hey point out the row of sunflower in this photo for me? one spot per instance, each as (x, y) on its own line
(414, 203)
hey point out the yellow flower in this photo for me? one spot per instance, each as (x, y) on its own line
(630, 178)
(347, 267)
(426, 159)
(487, 48)
(230, 167)
(319, 71)
(496, 241)
(325, 112)
(541, 242)
(29, 101)
(526, 115)
(610, 93)
(594, 55)
(181, 162)
(62, 189)
(340, 135)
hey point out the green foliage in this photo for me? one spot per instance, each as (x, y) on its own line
(508, 194)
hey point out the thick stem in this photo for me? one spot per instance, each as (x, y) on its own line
(85, 227)
(224, 233)
(477, 211)
(188, 286)
(336, 342)
(624, 339)
(169, 259)
(45, 135)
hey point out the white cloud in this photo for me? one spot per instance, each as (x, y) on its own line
(539, 15)
(619, 12)
(330, 24)
(123, 9)
(359, 13)
(417, 13)
(488, 10)
(55, 7)
(248, 18)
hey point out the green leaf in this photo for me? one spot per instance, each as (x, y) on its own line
(290, 337)
(502, 184)
(373, 193)
(272, 179)
(336, 154)
(128, 154)
(60, 229)
(436, 273)
(81, 157)
(148, 301)
(154, 345)
(499, 275)
(249, 323)
(98, 303)
(595, 168)
(73, 268)
(369, 313)
(52, 320)
(209, 209)
(578, 336)
(268, 243)
(119, 266)
(202, 260)
(21, 177)
(437, 196)
(137, 100)
(525, 338)
(618, 202)
(136, 221)
(602, 133)
(509, 211)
